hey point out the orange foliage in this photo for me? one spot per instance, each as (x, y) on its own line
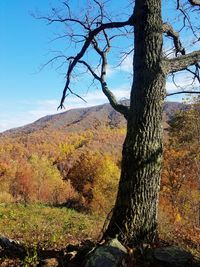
(95, 178)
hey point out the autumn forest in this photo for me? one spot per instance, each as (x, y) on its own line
(78, 169)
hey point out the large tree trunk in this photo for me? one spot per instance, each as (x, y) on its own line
(134, 217)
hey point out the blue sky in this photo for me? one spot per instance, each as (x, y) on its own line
(28, 93)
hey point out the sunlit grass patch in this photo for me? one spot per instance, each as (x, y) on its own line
(47, 226)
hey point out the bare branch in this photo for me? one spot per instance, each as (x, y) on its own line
(186, 17)
(50, 20)
(51, 61)
(96, 47)
(101, 9)
(111, 97)
(89, 68)
(195, 73)
(68, 8)
(107, 42)
(183, 62)
(77, 95)
(183, 92)
(90, 40)
(174, 82)
(118, 107)
(72, 92)
(167, 28)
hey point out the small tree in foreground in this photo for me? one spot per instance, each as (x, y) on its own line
(134, 217)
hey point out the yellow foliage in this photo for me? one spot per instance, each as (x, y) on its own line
(6, 197)
(95, 177)
(178, 218)
(49, 186)
(105, 185)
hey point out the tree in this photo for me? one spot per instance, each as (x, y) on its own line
(185, 125)
(49, 186)
(95, 177)
(184, 135)
(134, 217)
(178, 176)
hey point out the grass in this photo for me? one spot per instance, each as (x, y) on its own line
(48, 227)
(43, 227)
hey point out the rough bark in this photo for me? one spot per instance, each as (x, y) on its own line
(183, 62)
(135, 213)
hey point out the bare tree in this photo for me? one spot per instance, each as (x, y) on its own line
(134, 217)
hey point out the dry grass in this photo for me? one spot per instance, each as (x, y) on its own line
(47, 227)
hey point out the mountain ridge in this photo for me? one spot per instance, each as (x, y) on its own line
(80, 119)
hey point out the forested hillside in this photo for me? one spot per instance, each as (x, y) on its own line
(73, 160)
(44, 160)
(85, 118)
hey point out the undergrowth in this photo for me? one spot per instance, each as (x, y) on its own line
(46, 226)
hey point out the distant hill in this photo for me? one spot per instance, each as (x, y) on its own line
(81, 119)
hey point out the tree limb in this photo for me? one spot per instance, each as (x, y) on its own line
(183, 62)
(113, 102)
(118, 107)
(183, 92)
(87, 43)
(168, 29)
(195, 73)
(186, 17)
(70, 90)
(90, 70)
(112, 99)
(64, 20)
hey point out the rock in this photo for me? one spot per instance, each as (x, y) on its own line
(172, 256)
(78, 253)
(12, 246)
(111, 254)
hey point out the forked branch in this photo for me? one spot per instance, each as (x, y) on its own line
(196, 73)
(167, 28)
(90, 40)
(186, 16)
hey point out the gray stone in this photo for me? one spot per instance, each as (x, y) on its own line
(172, 256)
(110, 254)
(12, 245)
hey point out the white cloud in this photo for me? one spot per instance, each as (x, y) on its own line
(4, 124)
(14, 121)
(47, 102)
(183, 81)
(127, 64)
(110, 70)
(44, 107)
(122, 92)
(27, 111)
(96, 97)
